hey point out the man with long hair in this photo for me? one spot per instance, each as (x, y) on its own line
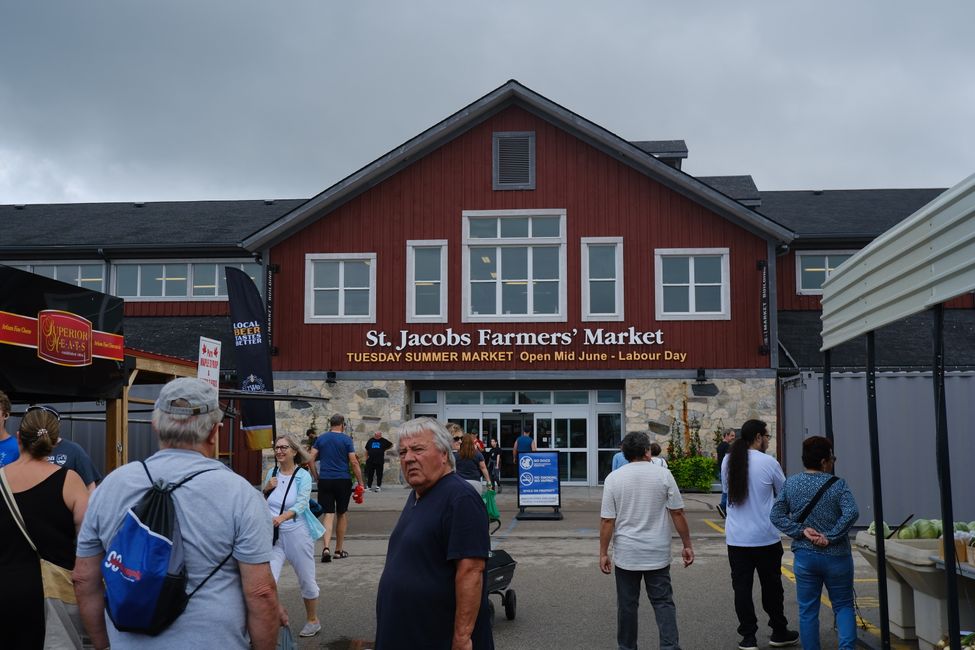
(752, 479)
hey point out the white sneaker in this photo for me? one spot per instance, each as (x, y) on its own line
(378, 489)
(310, 629)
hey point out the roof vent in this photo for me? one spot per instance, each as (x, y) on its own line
(268, 201)
(19, 207)
(817, 192)
(138, 205)
(514, 160)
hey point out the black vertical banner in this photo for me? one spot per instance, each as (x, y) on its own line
(253, 357)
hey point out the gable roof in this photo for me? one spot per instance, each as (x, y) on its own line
(514, 93)
(842, 215)
(79, 229)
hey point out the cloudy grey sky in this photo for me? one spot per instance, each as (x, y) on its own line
(236, 99)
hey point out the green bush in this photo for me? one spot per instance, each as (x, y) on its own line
(693, 472)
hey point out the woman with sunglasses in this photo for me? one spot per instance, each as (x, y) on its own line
(817, 510)
(51, 501)
(288, 490)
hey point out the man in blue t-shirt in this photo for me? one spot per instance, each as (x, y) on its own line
(335, 452)
(9, 451)
(523, 444)
(433, 591)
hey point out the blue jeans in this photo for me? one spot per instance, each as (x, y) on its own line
(813, 570)
(628, 604)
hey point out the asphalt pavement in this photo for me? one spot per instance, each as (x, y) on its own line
(563, 600)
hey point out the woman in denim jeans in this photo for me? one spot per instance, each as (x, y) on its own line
(821, 542)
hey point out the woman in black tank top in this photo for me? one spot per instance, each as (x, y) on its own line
(52, 502)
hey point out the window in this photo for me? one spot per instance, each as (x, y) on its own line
(179, 280)
(514, 160)
(88, 276)
(514, 266)
(340, 288)
(692, 284)
(602, 278)
(813, 267)
(426, 281)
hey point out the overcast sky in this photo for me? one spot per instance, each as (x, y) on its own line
(133, 100)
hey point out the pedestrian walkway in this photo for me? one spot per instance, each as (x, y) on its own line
(563, 599)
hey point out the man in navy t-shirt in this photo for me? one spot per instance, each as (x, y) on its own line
(433, 591)
(335, 451)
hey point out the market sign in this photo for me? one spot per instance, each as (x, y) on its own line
(57, 340)
(587, 345)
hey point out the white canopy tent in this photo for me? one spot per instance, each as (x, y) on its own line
(926, 260)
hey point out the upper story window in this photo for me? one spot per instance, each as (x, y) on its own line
(426, 281)
(692, 284)
(80, 274)
(514, 160)
(178, 280)
(340, 288)
(813, 267)
(602, 278)
(514, 266)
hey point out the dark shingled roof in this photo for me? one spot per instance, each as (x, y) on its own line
(663, 148)
(859, 215)
(121, 226)
(739, 188)
(905, 344)
(180, 336)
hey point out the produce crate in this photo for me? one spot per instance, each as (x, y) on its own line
(961, 550)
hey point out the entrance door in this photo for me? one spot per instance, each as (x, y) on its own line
(567, 433)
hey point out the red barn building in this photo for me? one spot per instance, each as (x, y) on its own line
(519, 267)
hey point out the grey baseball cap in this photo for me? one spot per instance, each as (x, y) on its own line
(197, 396)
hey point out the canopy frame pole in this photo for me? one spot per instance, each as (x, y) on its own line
(828, 395)
(944, 477)
(878, 499)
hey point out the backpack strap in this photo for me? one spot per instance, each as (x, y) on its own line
(212, 573)
(173, 486)
(812, 502)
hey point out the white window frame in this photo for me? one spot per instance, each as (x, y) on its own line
(587, 314)
(189, 297)
(466, 315)
(30, 264)
(310, 259)
(411, 246)
(803, 253)
(660, 253)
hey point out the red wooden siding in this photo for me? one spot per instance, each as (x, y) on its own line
(601, 196)
(178, 308)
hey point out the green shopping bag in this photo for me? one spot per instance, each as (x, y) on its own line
(492, 506)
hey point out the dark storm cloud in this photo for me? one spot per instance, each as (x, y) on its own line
(220, 99)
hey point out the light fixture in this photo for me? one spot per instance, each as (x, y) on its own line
(701, 376)
(330, 377)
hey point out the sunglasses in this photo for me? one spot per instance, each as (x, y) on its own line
(39, 407)
(458, 438)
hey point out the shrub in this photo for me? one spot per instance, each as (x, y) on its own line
(693, 472)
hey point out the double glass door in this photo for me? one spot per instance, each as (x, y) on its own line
(565, 432)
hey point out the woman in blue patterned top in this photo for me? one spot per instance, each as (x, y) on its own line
(820, 542)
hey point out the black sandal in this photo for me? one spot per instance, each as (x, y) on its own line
(341, 555)
(326, 556)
